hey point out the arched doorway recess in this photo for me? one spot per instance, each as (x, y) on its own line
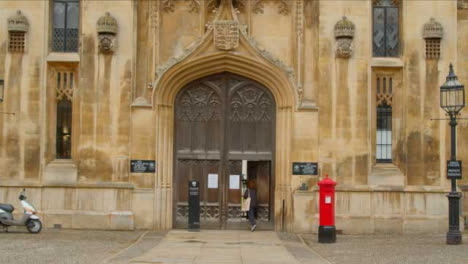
(164, 96)
(224, 135)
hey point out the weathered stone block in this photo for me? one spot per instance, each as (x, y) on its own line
(90, 220)
(121, 221)
(354, 225)
(62, 218)
(388, 225)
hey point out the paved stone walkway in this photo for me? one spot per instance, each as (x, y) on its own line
(391, 249)
(226, 247)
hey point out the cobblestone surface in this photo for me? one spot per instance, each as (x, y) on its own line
(390, 249)
(62, 246)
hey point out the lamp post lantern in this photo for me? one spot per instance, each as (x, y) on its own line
(452, 100)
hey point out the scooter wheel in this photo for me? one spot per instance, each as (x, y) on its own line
(34, 226)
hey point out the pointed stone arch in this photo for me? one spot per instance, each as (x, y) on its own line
(273, 78)
(164, 95)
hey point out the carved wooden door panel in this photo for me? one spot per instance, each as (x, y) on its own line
(220, 121)
(250, 136)
(198, 150)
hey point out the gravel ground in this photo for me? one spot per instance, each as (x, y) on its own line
(53, 246)
(386, 249)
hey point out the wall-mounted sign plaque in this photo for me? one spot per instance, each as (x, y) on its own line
(305, 168)
(194, 205)
(143, 166)
(454, 169)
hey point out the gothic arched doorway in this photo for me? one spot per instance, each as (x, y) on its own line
(224, 134)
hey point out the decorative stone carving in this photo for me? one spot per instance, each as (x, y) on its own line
(163, 68)
(154, 14)
(433, 29)
(432, 33)
(107, 29)
(18, 23)
(226, 34)
(344, 34)
(299, 46)
(378, 2)
(257, 6)
(309, 6)
(239, 4)
(462, 4)
(283, 7)
(168, 5)
(194, 6)
(212, 6)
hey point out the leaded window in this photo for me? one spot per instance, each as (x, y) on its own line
(64, 125)
(386, 28)
(384, 119)
(64, 95)
(65, 32)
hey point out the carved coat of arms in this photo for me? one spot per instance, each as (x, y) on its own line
(226, 34)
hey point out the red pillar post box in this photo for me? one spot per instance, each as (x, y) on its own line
(327, 230)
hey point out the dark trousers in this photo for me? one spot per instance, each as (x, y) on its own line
(251, 215)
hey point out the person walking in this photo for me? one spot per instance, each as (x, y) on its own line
(251, 192)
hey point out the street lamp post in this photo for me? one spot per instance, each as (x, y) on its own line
(452, 100)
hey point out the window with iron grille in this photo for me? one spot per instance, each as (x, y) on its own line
(16, 41)
(65, 31)
(384, 119)
(386, 28)
(64, 95)
(432, 48)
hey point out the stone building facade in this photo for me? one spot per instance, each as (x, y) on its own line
(207, 87)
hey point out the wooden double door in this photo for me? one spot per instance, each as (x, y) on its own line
(224, 135)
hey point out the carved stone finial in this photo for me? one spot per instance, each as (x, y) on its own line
(18, 23)
(344, 34)
(107, 24)
(433, 30)
(344, 28)
(107, 28)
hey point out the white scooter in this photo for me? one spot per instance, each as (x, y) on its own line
(29, 219)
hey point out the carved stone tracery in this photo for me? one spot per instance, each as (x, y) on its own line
(384, 93)
(64, 88)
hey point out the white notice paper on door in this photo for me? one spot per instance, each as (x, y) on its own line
(234, 181)
(213, 181)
